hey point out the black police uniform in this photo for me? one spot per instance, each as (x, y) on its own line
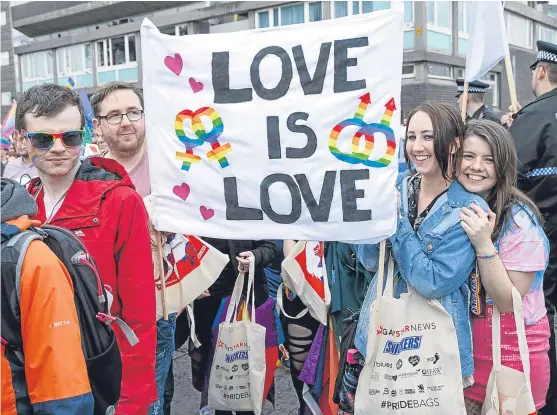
(484, 113)
(477, 87)
(534, 131)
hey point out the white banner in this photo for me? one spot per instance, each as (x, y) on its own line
(286, 133)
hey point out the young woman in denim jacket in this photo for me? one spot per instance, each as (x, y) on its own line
(512, 250)
(431, 250)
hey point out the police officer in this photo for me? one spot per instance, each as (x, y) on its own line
(534, 130)
(475, 107)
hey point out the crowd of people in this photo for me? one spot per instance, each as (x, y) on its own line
(478, 201)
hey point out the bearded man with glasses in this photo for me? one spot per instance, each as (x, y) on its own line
(96, 200)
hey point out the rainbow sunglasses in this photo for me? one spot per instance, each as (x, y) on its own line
(44, 141)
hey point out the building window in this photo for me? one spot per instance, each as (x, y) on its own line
(341, 9)
(463, 26)
(117, 59)
(75, 58)
(292, 14)
(75, 61)
(171, 30)
(2, 18)
(178, 30)
(5, 58)
(37, 68)
(547, 33)
(288, 15)
(492, 79)
(519, 30)
(349, 8)
(6, 99)
(315, 11)
(182, 30)
(439, 70)
(354, 7)
(408, 71)
(263, 19)
(116, 51)
(439, 33)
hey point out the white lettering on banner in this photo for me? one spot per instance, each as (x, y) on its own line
(282, 133)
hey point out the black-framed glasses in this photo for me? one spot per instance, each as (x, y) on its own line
(133, 115)
(43, 140)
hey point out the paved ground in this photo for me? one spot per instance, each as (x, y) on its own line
(186, 398)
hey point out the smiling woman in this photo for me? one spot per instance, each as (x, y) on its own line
(512, 252)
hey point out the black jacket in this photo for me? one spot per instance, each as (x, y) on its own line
(534, 131)
(264, 252)
(484, 113)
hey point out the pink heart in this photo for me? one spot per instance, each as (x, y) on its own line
(175, 63)
(206, 213)
(182, 191)
(196, 86)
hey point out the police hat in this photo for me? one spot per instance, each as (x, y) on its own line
(474, 87)
(547, 52)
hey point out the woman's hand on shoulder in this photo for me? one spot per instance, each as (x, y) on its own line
(479, 226)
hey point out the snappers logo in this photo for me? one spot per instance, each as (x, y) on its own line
(408, 343)
(406, 329)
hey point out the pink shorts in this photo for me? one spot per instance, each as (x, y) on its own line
(537, 337)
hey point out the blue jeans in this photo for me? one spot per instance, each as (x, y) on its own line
(165, 349)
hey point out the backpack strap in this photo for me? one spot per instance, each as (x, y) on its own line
(20, 243)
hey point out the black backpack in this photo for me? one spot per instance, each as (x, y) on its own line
(98, 340)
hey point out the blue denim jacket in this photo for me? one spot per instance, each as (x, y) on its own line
(436, 261)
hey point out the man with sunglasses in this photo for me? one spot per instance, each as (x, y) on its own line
(534, 130)
(96, 200)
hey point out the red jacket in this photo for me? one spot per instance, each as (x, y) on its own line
(104, 211)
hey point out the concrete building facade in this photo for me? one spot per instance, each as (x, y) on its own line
(97, 42)
(8, 80)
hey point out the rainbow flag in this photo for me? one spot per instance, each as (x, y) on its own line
(5, 144)
(88, 139)
(71, 83)
(8, 126)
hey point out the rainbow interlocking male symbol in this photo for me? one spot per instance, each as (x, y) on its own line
(218, 151)
(367, 131)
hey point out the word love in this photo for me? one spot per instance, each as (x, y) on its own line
(311, 84)
(300, 190)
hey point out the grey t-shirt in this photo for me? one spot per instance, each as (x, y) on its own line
(19, 171)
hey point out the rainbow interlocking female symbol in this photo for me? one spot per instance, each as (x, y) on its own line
(367, 131)
(218, 151)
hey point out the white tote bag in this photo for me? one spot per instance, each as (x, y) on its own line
(508, 390)
(306, 275)
(412, 362)
(237, 379)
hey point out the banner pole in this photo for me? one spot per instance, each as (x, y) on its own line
(510, 80)
(160, 254)
(464, 101)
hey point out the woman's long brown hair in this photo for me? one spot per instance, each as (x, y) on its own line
(505, 194)
(448, 127)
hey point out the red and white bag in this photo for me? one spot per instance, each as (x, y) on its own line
(192, 266)
(305, 274)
